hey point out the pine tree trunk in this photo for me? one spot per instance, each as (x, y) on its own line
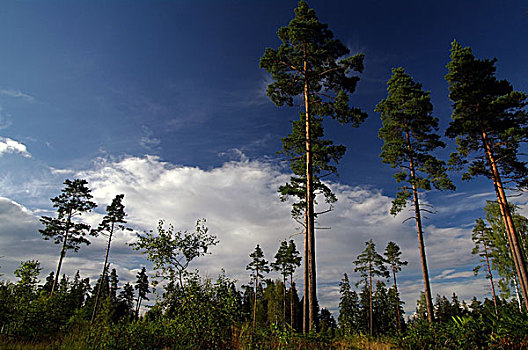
(306, 282)
(292, 310)
(94, 312)
(418, 217)
(312, 298)
(371, 323)
(138, 305)
(62, 252)
(255, 299)
(398, 320)
(515, 248)
(490, 278)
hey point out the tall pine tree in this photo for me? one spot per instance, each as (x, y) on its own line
(74, 200)
(258, 266)
(409, 137)
(309, 64)
(392, 256)
(489, 122)
(113, 220)
(370, 264)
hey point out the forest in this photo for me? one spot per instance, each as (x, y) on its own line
(171, 305)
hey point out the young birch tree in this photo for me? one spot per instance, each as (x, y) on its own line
(489, 122)
(409, 136)
(309, 64)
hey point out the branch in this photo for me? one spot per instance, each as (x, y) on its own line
(329, 70)
(292, 67)
(410, 218)
(324, 211)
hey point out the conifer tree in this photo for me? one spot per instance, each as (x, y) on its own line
(258, 266)
(370, 264)
(74, 200)
(392, 256)
(348, 307)
(113, 220)
(490, 123)
(280, 265)
(309, 64)
(142, 286)
(483, 242)
(409, 137)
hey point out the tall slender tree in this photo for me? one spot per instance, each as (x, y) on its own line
(370, 264)
(258, 267)
(489, 122)
(348, 307)
(74, 200)
(483, 241)
(113, 220)
(499, 246)
(309, 64)
(392, 256)
(142, 286)
(325, 157)
(409, 136)
(280, 265)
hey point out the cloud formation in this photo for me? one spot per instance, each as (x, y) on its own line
(239, 199)
(9, 146)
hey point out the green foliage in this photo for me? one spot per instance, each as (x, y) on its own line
(482, 104)
(171, 251)
(258, 265)
(348, 308)
(409, 136)
(74, 200)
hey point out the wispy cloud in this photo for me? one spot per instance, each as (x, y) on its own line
(148, 141)
(5, 119)
(15, 93)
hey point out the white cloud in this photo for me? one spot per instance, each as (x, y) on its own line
(240, 202)
(8, 146)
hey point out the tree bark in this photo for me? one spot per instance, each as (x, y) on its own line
(312, 293)
(62, 253)
(255, 301)
(306, 282)
(398, 320)
(94, 312)
(292, 310)
(515, 248)
(419, 230)
(371, 306)
(490, 278)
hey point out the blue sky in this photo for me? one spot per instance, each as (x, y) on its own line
(164, 101)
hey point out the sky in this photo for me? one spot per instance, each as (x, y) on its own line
(164, 101)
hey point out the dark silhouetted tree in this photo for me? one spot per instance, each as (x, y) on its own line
(74, 200)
